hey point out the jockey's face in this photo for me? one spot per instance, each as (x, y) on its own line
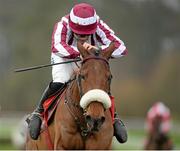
(81, 38)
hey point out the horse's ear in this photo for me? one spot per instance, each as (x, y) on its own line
(109, 50)
(81, 49)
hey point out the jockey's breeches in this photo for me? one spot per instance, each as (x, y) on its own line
(63, 72)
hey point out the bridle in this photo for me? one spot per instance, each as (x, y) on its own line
(80, 77)
(71, 103)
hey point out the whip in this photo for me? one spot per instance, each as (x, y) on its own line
(45, 65)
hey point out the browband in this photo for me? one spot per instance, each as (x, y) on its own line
(95, 57)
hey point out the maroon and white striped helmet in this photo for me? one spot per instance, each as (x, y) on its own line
(83, 19)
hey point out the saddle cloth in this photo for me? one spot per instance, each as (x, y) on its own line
(50, 106)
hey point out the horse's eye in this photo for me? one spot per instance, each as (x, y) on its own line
(82, 76)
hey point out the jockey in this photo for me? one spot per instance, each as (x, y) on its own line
(159, 110)
(81, 24)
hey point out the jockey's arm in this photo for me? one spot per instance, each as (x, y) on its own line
(59, 41)
(107, 35)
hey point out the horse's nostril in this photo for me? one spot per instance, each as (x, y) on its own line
(102, 119)
(88, 118)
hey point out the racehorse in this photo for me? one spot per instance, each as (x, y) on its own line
(82, 119)
(158, 140)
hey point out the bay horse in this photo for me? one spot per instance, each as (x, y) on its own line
(156, 139)
(82, 119)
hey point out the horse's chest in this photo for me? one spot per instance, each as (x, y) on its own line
(73, 141)
(92, 142)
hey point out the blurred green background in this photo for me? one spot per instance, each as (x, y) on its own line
(150, 72)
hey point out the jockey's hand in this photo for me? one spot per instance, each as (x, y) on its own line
(81, 57)
(88, 46)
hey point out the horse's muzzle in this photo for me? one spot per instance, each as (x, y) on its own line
(94, 124)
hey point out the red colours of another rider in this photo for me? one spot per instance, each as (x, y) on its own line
(159, 109)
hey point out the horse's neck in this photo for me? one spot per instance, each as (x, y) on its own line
(73, 97)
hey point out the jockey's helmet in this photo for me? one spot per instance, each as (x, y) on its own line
(83, 19)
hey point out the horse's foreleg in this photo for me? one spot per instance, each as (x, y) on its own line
(57, 144)
(57, 138)
(31, 144)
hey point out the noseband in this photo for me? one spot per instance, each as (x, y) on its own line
(96, 58)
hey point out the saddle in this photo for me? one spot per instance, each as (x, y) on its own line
(50, 106)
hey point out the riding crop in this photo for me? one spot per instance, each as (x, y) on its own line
(46, 65)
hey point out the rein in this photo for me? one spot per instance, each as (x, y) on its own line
(74, 108)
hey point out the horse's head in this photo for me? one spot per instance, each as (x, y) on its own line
(156, 124)
(94, 81)
(157, 130)
(158, 139)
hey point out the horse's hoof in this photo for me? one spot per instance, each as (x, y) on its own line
(120, 131)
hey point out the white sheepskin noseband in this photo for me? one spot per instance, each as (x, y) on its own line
(95, 95)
